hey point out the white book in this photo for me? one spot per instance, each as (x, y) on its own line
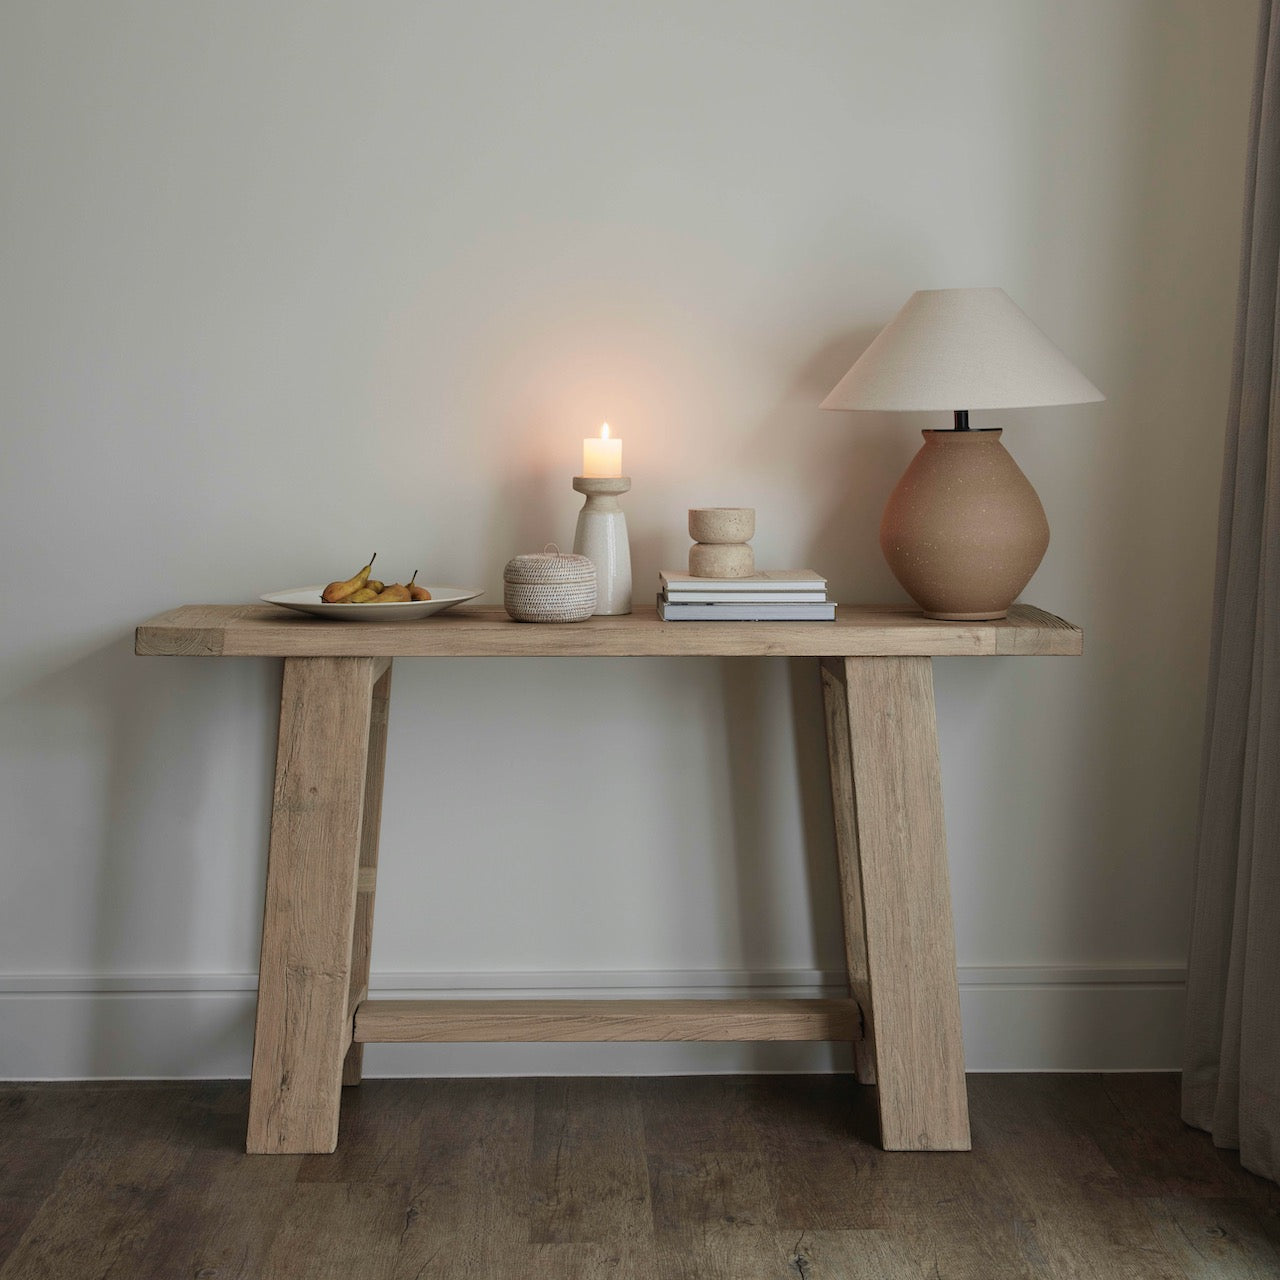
(746, 597)
(746, 612)
(767, 580)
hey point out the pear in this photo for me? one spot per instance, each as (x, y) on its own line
(373, 585)
(416, 592)
(363, 596)
(336, 592)
(396, 593)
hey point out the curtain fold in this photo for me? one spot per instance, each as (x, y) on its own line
(1231, 1060)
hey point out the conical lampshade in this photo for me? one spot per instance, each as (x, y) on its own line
(960, 349)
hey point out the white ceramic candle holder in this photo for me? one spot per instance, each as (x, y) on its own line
(601, 536)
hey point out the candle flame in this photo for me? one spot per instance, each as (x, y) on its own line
(604, 432)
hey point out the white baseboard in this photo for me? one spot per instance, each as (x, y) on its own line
(200, 1026)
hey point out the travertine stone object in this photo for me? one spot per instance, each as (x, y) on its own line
(721, 535)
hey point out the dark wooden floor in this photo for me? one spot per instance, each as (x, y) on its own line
(718, 1178)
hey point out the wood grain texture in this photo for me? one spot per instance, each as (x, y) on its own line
(317, 930)
(589, 1177)
(469, 1200)
(475, 1021)
(361, 1225)
(695, 1178)
(120, 1177)
(1060, 1168)
(819, 1149)
(40, 1132)
(304, 981)
(860, 630)
(914, 1018)
(835, 702)
(222, 1210)
(382, 1135)
(357, 997)
(367, 876)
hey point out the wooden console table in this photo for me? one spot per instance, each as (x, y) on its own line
(314, 1015)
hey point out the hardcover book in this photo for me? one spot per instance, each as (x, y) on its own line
(747, 611)
(769, 580)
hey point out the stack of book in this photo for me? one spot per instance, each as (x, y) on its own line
(776, 595)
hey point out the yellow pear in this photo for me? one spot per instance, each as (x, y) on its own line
(416, 592)
(363, 596)
(396, 593)
(373, 585)
(336, 592)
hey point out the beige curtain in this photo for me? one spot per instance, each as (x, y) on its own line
(1231, 1066)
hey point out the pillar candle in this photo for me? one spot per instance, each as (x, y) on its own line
(602, 457)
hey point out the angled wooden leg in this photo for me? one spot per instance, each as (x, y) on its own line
(909, 939)
(362, 938)
(835, 701)
(303, 1028)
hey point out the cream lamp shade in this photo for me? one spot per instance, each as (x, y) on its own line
(960, 349)
(964, 530)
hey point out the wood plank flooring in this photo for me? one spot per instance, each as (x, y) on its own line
(695, 1178)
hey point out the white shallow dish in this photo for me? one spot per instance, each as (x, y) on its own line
(307, 600)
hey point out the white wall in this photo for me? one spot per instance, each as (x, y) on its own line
(284, 284)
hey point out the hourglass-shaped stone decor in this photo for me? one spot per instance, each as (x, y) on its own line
(720, 542)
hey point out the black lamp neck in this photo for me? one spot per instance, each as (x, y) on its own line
(962, 419)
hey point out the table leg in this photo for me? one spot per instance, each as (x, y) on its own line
(836, 704)
(304, 1024)
(896, 892)
(362, 937)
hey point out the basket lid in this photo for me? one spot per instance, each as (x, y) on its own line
(549, 567)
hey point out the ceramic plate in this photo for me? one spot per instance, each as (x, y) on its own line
(307, 600)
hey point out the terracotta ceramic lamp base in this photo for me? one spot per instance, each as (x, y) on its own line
(964, 530)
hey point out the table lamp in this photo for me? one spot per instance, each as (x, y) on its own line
(963, 531)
